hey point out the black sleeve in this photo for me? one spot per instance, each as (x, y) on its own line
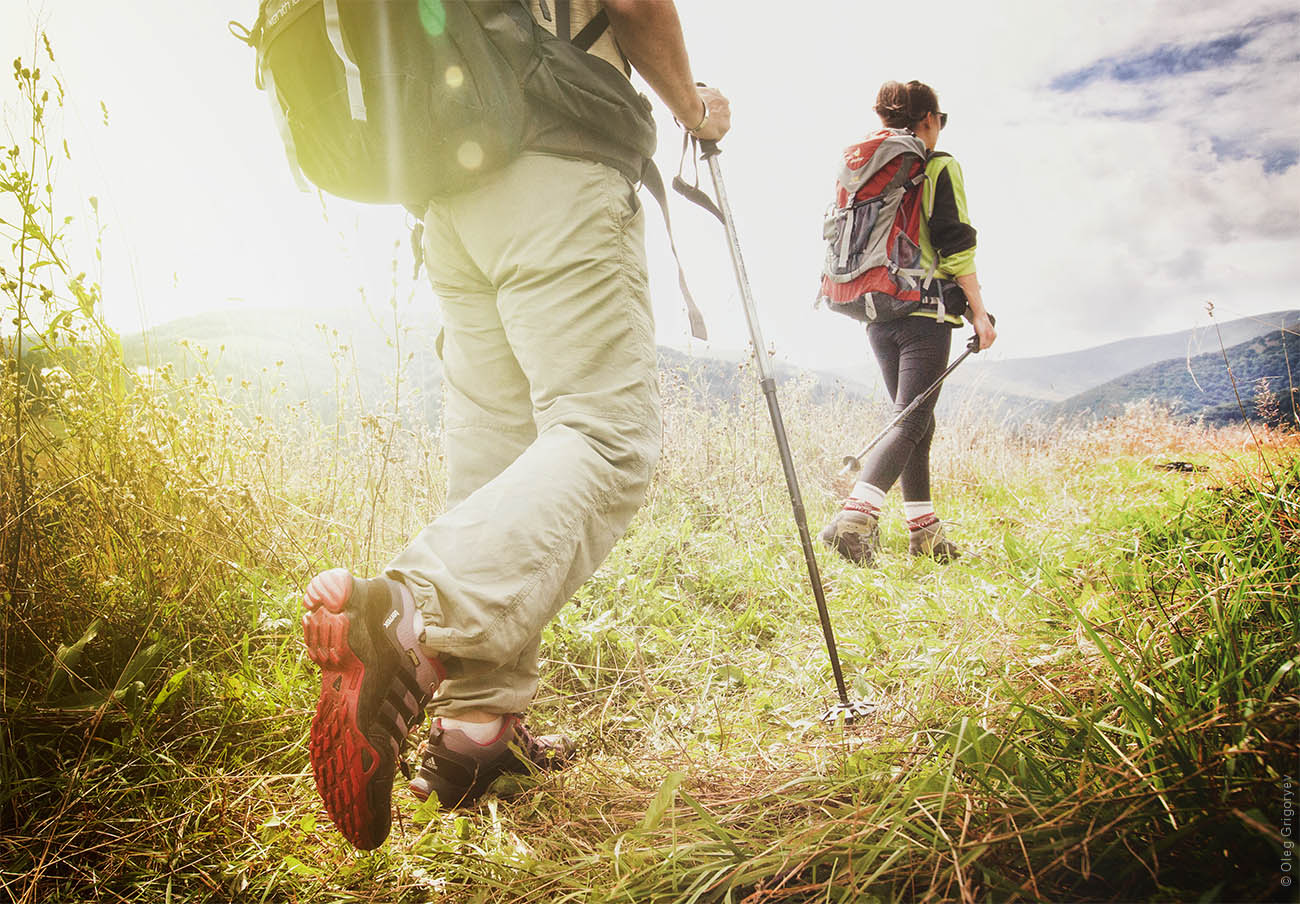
(948, 233)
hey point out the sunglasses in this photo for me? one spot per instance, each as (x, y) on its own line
(943, 119)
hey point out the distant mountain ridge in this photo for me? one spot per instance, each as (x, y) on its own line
(320, 355)
(330, 356)
(1258, 378)
(1056, 378)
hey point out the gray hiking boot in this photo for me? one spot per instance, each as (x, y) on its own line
(458, 770)
(927, 539)
(854, 535)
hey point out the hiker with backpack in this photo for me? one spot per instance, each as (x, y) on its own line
(525, 165)
(901, 258)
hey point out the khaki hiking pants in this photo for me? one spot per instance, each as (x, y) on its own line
(552, 414)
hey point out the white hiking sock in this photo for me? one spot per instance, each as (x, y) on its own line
(480, 732)
(914, 511)
(865, 498)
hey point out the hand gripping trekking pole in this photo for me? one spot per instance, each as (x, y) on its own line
(709, 151)
(854, 462)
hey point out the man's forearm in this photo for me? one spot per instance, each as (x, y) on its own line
(650, 33)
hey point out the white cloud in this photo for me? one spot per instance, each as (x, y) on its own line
(1102, 213)
(1109, 211)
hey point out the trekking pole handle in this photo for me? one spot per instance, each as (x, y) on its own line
(852, 463)
(708, 146)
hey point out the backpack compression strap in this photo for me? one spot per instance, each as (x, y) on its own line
(592, 31)
(255, 37)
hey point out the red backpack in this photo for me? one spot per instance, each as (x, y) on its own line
(872, 230)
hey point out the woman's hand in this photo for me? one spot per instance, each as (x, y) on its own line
(984, 329)
(976, 313)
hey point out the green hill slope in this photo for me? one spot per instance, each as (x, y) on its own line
(351, 357)
(1061, 377)
(1220, 386)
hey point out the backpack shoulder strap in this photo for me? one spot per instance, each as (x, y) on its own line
(588, 35)
(592, 31)
(935, 164)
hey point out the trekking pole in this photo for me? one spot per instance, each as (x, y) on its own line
(854, 462)
(849, 711)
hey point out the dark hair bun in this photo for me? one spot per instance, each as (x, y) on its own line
(902, 106)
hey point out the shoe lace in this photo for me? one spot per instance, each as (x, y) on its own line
(541, 752)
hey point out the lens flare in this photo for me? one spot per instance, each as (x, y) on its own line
(433, 17)
(470, 155)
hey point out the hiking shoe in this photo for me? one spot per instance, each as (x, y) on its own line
(458, 770)
(854, 535)
(926, 538)
(375, 681)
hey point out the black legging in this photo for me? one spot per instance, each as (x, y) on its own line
(912, 352)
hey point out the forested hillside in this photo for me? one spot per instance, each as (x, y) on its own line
(343, 357)
(1258, 379)
(1061, 376)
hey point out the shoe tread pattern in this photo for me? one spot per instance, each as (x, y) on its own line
(359, 725)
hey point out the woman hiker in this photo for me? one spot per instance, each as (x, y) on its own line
(913, 349)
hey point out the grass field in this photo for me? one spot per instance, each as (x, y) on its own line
(1098, 702)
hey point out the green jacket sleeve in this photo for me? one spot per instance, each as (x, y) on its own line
(950, 231)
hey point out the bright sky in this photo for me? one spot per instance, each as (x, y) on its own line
(1125, 161)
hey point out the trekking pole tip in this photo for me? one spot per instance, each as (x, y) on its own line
(848, 713)
(850, 463)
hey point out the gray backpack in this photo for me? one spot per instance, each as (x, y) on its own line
(871, 271)
(401, 101)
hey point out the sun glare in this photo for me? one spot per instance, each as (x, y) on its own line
(470, 155)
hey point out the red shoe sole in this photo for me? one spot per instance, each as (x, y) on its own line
(343, 760)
